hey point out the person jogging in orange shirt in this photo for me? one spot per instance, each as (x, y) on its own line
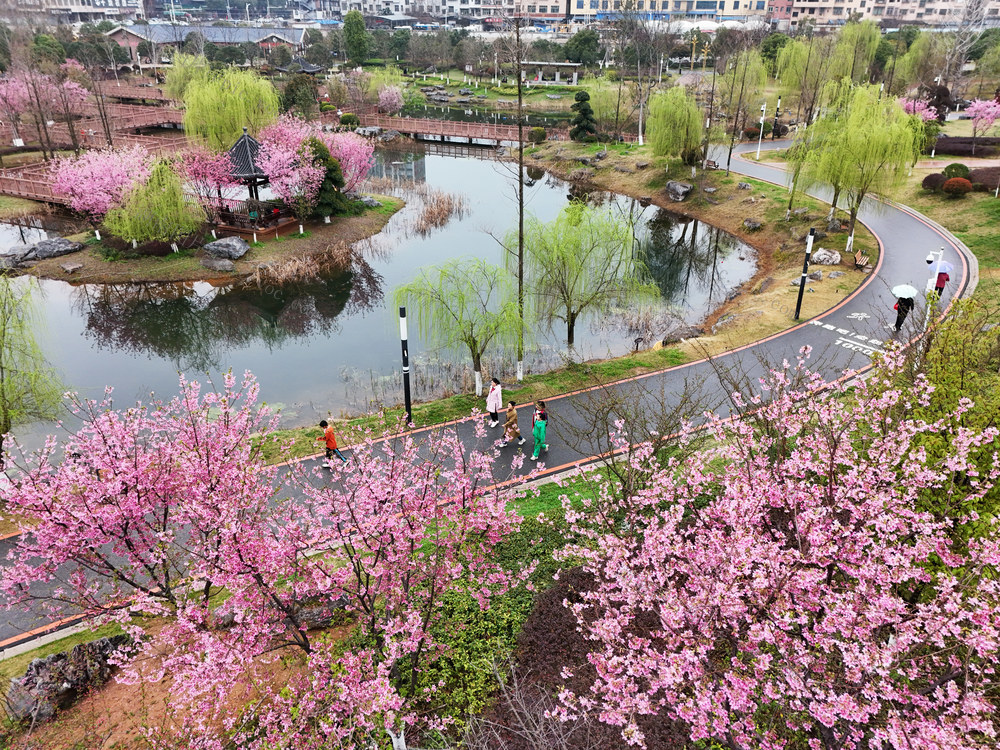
(331, 441)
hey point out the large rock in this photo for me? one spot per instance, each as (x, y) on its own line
(678, 191)
(751, 225)
(824, 257)
(55, 682)
(389, 135)
(581, 175)
(231, 248)
(816, 275)
(218, 264)
(52, 249)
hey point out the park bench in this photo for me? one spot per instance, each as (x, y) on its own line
(709, 164)
(861, 260)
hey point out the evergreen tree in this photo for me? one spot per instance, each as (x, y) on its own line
(330, 198)
(357, 40)
(584, 125)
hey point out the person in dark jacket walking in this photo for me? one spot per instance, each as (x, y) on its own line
(903, 307)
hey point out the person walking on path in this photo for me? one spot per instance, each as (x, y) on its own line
(539, 425)
(510, 429)
(903, 307)
(331, 442)
(942, 279)
(494, 402)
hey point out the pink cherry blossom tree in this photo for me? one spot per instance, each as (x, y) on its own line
(15, 100)
(97, 181)
(919, 107)
(286, 156)
(783, 587)
(984, 114)
(355, 154)
(209, 176)
(156, 509)
(390, 100)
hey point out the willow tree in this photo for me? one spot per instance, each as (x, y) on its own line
(803, 68)
(674, 124)
(29, 388)
(583, 260)
(158, 210)
(465, 304)
(866, 147)
(218, 107)
(183, 70)
(855, 50)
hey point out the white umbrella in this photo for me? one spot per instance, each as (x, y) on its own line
(942, 266)
(904, 290)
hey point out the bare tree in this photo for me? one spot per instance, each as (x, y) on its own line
(969, 20)
(531, 710)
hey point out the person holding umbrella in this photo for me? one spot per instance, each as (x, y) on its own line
(942, 268)
(904, 294)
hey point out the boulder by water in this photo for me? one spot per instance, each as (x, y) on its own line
(231, 248)
(678, 191)
(218, 264)
(53, 248)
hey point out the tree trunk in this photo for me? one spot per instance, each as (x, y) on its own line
(739, 108)
(398, 740)
(570, 329)
(833, 203)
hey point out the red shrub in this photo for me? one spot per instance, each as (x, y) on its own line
(957, 187)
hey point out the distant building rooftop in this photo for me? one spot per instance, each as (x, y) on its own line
(177, 33)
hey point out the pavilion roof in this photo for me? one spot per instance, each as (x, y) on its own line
(243, 157)
(304, 66)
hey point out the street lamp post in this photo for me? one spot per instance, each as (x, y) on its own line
(406, 364)
(805, 270)
(760, 136)
(932, 256)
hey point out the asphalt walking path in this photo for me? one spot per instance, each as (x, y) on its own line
(842, 339)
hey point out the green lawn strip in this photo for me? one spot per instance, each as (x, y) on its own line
(973, 218)
(299, 442)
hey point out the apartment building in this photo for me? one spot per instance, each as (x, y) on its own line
(673, 10)
(790, 14)
(52, 12)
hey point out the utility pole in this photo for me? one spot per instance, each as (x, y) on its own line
(520, 203)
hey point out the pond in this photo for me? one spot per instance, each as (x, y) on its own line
(331, 345)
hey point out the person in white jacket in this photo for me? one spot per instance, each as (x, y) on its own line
(494, 402)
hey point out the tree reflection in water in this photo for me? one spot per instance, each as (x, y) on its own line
(194, 324)
(694, 257)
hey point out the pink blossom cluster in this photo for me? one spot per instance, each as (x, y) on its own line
(209, 176)
(984, 114)
(99, 180)
(920, 107)
(786, 584)
(354, 153)
(390, 99)
(158, 508)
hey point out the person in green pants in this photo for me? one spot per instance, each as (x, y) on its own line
(539, 422)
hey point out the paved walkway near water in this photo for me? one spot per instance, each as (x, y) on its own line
(841, 338)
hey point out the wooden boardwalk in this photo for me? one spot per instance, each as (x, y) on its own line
(440, 130)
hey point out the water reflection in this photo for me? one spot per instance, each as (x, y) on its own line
(688, 258)
(194, 325)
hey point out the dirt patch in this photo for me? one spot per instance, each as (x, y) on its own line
(187, 266)
(122, 716)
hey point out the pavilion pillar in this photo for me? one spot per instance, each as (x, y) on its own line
(557, 75)
(574, 76)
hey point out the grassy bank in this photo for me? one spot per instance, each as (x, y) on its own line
(101, 266)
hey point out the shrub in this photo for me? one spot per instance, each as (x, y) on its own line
(536, 135)
(752, 132)
(957, 187)
(956, 169)
(349, 120)
(692, 156)
(933, 181)
(963, 146)
(988, 176)
(327, 108)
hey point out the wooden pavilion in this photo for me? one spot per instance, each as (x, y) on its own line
(252, 214)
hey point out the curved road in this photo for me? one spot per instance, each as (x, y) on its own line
(842, 338)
